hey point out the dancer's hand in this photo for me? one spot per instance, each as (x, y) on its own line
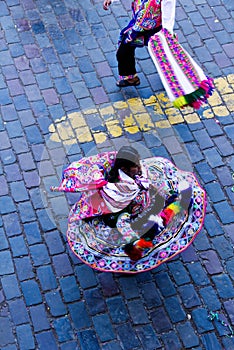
(106, 4)
(131, 35)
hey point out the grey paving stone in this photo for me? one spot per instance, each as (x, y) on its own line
(46, 277)
(171, 341)
(55, 303)
(189, 255)
(164, 325)
(117, 309)
(18, 311)
(213, 69)
(129, 287)
(103, 327)
(108, 284)
(94, 301)
(189, 296)
(70, 289)
(21, 103)
(174, 309)
(31, 292)
(187, 334)
(148, 337)
(213, 158)
(224, 286)
(229, 130)
(211, 340)
(222, 60)
(46, 340)
(137, 312)
(86, 276)
(224, 146)
(6, 332)
(225, 212)
(212, 225)
(211, 262)
(32, 232)
(62, 265)
(203, 139)
(39, 317)
(229, 308)
(179, 273)
(15, 88)
(20, 145)
(202, 243)
(194, 152)
(11, 221)
(10, 287)
(63, 329)
(127, 336)
(6, 265)
(43, 121)
(151, 295)
(77, 309)
(54, 243)
(187, 27)
(198, 274)
(24, 268)
(201, 320)
(39, 254)
(88, 339)
(215, 192)
(18, 246)
(210, 298)
(165, 284)
(33, 135)
(45, 220)
(223, 247)
(18, 191)
(3, 241)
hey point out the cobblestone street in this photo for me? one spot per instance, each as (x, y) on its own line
(59, 102)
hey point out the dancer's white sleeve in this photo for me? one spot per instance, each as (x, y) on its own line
(168, 14)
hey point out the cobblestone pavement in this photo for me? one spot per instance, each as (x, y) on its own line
(59, 102)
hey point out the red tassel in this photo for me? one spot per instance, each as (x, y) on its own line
(135, 254)
(167, 215)
(142, 244)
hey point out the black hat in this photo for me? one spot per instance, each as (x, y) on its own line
(128, 153)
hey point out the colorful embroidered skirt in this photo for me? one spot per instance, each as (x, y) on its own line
(184, 81)
(101, 247)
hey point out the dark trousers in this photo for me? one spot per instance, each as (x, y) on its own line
(126, 54)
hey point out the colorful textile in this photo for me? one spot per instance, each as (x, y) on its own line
(184, 81)
(102, 247)
(100, 197)
(89, 173)
(146, 14)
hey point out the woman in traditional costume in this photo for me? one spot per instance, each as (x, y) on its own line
(131, 215)
(152, 25)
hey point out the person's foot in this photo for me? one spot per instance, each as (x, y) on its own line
(128, 82)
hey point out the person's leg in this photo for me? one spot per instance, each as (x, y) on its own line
(126, 60)
(126, 65)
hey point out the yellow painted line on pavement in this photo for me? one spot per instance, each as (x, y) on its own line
(140, 115)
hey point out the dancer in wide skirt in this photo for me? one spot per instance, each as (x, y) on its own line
(131, 215)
